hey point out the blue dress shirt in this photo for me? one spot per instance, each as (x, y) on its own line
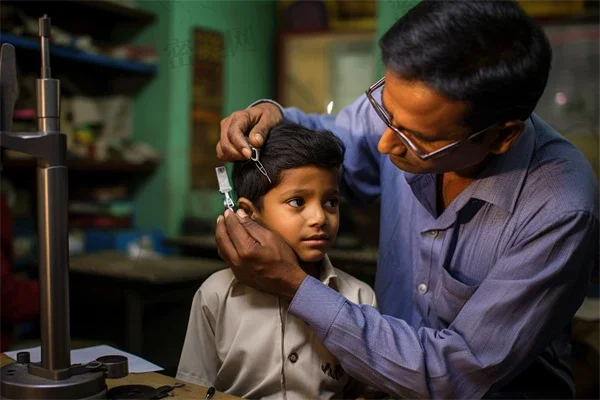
(473, 298)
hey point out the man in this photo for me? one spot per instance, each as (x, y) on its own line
(20, 297)
(489, 218)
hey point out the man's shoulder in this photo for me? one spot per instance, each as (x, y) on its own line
(354, 289)
(560, 176)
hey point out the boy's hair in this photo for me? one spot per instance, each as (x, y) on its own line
(287, 146)
(488, 54)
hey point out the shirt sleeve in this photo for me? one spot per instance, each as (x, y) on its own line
(531, 294)
(359, 128)
(199, 362)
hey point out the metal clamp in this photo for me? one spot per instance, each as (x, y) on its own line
(255, 157)
(225, 188)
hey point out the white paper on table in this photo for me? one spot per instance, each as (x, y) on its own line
(83, 356)
(589, 310)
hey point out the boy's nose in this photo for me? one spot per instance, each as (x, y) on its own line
(317, 217)
(390, 143)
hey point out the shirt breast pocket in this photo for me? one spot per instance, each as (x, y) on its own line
(449, 298)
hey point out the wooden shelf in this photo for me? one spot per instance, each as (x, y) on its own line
(81, 73)
(83, 174)
(588, 17)
(103, 20)
(84, 165)
(79, 56)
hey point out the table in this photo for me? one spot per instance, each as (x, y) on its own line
(360, 262)
(207, 242)
(138, 305)
(189, 391)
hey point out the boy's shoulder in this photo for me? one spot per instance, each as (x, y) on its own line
(219, 280)
(354, 289)
(215, 289)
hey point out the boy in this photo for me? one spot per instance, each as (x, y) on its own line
(242, 341)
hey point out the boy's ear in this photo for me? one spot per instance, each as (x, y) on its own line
(248, 207)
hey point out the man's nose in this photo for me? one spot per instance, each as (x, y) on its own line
(390, 143)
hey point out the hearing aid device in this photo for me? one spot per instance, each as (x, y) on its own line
(225, 188)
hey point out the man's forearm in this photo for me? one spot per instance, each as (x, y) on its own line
(385, 352)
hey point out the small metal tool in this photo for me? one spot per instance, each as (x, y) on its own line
(255, 157)
(225, 188)
(142, 391)
(166, 390)
(210, 393)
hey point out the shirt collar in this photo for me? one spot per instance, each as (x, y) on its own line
(501, 181)
(328, 276)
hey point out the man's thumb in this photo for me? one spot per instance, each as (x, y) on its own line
(253, 228)
(257, 136)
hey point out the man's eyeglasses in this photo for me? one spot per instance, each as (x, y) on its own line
(423, 155)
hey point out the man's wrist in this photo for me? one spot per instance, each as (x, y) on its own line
(269, 104)
(266, 105)
(292, 285)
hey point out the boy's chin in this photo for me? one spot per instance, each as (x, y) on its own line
(311, 256)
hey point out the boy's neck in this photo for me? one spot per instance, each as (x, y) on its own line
(311, 268)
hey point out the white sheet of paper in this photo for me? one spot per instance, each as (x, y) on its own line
(81, 356)
(589, 309)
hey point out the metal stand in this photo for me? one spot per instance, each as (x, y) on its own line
(54, 377)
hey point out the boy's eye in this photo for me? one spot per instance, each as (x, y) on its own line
(296, 202)
(332, 202)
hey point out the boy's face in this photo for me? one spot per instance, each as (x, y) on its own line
(304, 210)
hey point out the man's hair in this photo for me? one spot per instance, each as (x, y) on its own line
(287, 146)
(488, 54)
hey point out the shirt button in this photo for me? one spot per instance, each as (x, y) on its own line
(433, 233)
(422, 288)
(293, 357)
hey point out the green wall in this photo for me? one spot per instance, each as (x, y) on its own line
(151, 121)
(388, 12)
(162, 109)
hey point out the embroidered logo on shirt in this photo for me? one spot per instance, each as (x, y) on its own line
(335, 372)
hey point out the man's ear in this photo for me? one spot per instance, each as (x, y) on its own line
(507, 135)
(247, 206)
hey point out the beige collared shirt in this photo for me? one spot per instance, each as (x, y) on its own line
(243, 341)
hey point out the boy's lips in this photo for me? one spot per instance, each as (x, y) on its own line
(317, 240)
(317, 237)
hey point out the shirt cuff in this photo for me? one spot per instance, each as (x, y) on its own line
(272, 102)
(316, 304)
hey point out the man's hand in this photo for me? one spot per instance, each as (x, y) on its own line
(258, 257)
(255, 121)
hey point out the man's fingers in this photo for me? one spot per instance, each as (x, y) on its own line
(227, 250)
(266, 116)
(220, 154)
(236, 133)
(226, 151)
(256, 231)
(241, 240)
(259, 133)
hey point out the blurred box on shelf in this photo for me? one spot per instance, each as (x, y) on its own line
(125, 241)
(352, 15)
(553, 8)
